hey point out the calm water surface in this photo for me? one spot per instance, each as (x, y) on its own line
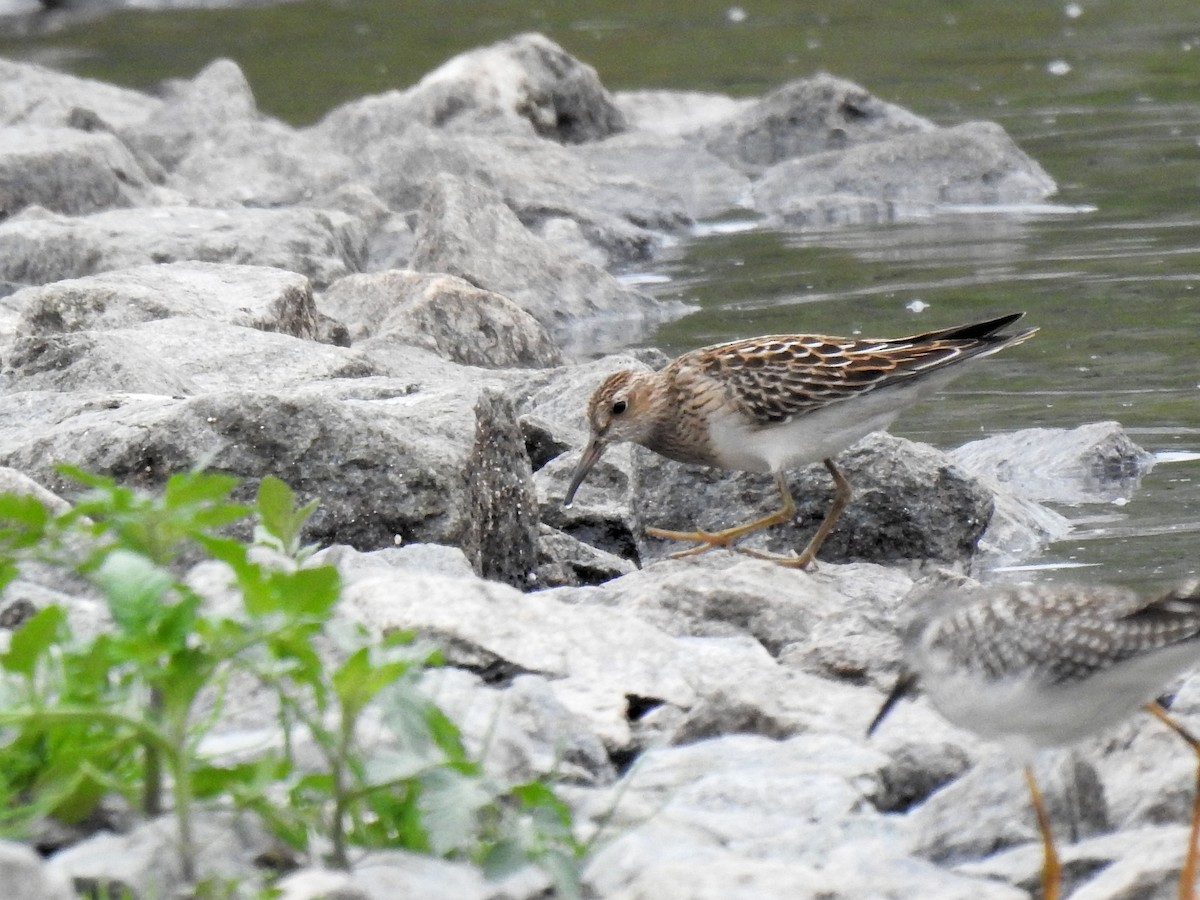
(1106, 95)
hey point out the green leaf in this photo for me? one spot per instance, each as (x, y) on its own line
(23, 520)
(197, 488)
(450, 805)
(279, 517)
(135, 588)
(32, 639)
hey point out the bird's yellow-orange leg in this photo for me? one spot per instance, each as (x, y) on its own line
(1187, 875)
(841, 498)
(1051, 867)
(709, 540)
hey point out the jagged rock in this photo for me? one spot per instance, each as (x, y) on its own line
(807, 116)
(973, 163)
(468, 231)
(909, 502)
(441, 313)
(544, 184)
(37, 248)
(35, 95)
(145, 862)
(1094, 463)
(67, 171)
(526, 84)
(500, 527)
(564, 561)
(252, 296)
(25, 875)
(386, 468)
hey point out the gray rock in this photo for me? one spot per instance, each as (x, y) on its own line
(525, 84)
(429, 559)
(468, 231)
(973, 163)
(252, 296)
(218, 148)
(387, 875)
(564, 561)
(1095, 463)
(807, 116)
(36, 248)
(910, 502)
(443, 314)
(677, 113)
(193, 111)
(500, 518)
(145, 862)
(546, 185)
(1136, 864)
(519, 729)
(34, 95)
(26, 877)
(706, 185)
(386, 469)
(988, 808)
(184, 357)
(67, 171)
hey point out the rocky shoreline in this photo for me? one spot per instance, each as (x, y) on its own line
(387, 311)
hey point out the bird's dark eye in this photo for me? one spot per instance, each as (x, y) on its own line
(618, 407)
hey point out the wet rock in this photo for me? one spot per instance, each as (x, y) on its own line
(37, 248)
(26, 877)
(443, 314)
(526, 84)
(67, 171)
(1095, 463)
(807, 116)
(974, 163)
(252, 296)
(468, 231)
(34, 95)
(703, 184)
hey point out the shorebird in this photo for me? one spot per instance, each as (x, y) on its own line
(770, 404)
(1044, 666)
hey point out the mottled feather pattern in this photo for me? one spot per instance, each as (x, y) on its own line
(775, 378)
(1058, 635)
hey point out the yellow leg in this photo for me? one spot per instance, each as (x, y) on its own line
(709, 540)
(1187, 875)
(841, 498)
(1051, 867)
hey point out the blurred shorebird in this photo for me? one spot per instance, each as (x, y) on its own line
(770, 404)
(1043, 666)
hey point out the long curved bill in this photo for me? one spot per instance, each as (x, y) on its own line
(591, 454)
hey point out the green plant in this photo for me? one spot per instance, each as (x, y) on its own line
(125, 712)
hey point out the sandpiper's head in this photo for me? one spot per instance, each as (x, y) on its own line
(620, 410)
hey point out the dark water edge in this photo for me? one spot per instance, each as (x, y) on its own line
(1106, 96)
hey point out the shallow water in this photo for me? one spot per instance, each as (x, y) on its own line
(1105, 96)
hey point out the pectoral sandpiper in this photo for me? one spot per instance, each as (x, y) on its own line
(770, 404)
(1035, 667)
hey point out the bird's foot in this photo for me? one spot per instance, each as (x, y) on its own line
(791, 560)
(706, 540)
